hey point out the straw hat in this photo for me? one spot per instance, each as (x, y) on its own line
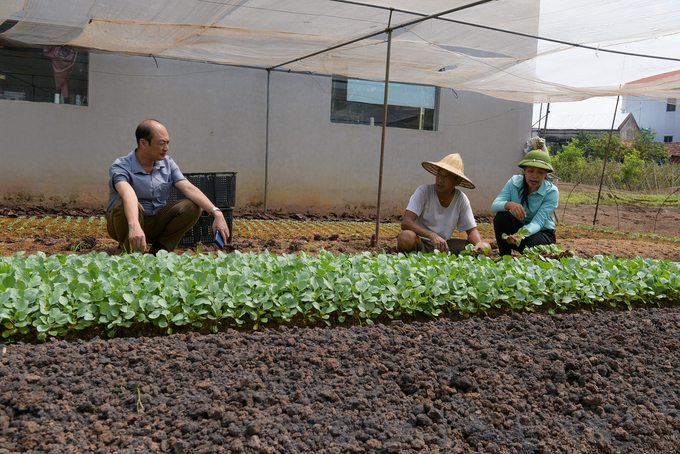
(452, 163)
(539, 159)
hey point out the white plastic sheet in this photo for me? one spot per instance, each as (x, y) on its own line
(513, 49)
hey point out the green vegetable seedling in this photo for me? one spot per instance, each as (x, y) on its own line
(470, 250)
(522, 233)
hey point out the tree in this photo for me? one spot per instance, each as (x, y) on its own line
(650, 150)
(631, 169)
(584, 141)
(570, 162)
(598, 148)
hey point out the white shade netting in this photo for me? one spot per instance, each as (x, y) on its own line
(525, 50)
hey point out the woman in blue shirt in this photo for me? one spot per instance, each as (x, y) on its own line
(524, 208)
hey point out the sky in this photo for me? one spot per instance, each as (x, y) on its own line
(632, 26)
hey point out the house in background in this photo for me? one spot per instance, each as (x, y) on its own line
(674, 151)
(562, 128)
(659, 115)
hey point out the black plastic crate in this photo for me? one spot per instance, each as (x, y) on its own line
(219, 187)
(202, 231)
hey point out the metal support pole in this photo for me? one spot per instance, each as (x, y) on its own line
(606, 155)
(545, 128)
(382, 141)
(266, 145)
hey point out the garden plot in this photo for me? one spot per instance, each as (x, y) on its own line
(591, 381)
(632, 237)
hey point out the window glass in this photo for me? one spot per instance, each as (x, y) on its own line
(360, 102)
(46, 74)
(667, 139)
(670, 105)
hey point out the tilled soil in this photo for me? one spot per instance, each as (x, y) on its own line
(590, 382)
(581, 241)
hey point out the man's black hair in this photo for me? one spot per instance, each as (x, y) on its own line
(144, 131)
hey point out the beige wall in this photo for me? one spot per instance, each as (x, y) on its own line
(216, 118)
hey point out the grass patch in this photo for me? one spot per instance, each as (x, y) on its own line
(618, 198)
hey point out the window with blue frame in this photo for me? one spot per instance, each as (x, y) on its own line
(360, 102)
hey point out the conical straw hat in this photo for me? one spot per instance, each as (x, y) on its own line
(454, 164)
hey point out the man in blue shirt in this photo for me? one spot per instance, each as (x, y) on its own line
(138, 214)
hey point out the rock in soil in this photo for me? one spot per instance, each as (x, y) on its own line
(590, 382)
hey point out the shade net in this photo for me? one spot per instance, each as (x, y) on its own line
(524, 50)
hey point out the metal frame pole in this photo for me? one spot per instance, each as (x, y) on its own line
(606, 155)
(266, 144)
(382, 140)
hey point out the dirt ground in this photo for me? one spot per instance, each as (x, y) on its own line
(630, 219)
(574, 233)
(588, 382)
(600, 382)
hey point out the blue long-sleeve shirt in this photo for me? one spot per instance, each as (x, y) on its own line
(542, 203)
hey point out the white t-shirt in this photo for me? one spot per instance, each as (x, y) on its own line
(441, 220)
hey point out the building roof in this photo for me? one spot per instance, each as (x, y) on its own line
(673, 148)
(596, 122)
(656, 78)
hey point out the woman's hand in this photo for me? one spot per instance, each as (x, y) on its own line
(516, 209)
(515, 239)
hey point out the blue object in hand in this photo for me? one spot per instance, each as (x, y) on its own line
(218, 239)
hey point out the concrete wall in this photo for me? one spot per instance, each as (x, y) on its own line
(65, 151)
(216, 118)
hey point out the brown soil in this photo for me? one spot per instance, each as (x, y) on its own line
(600, 382)
(588, 382)
(574, 232)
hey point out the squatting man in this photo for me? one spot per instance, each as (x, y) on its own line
(436, 210)
(138, 213)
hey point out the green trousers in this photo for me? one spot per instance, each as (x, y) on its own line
(164, 230)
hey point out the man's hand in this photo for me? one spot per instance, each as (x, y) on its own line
(195, 195)
(221, 224)
(481, 246)
(438, 242)
(475, 238)
(137, 237)
(516, 209)
(136, 234)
